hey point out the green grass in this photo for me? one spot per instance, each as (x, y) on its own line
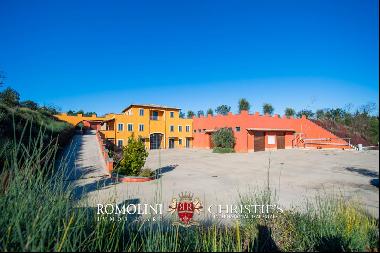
(38, 213)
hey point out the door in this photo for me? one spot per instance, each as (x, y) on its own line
(259, 141)
(280, 138)
(171, 143)
(155, 141)
(187, 143)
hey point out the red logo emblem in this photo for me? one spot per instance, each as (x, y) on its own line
(185, 207)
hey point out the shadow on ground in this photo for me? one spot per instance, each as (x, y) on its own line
(363, 172)
(80, 190)
(160, 171)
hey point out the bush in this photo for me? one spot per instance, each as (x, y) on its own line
(223, 150)
(146, 172)
(223, 138)
(134, 157)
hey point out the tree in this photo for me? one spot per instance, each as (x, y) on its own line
(49, 110)
(210, 111)
(320, 114)
(190, 114)
(134, 157)
(181, 115)
(71, 113)
(29, 104)
(308, 113)
(223, 109)
(89, 114)
(200, 113)
(80, 112)
(10, 97)
(244, 105)
(290, 112)
(268, 109)
(224, 138)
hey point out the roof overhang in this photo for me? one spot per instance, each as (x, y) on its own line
(162, 107)
(271, 129)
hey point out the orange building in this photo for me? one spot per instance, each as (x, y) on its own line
(255, 132)
(162, 127)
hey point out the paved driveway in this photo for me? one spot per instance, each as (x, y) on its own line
(219, 178)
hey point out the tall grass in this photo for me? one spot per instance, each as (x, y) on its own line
(328, 222)
(38, 213)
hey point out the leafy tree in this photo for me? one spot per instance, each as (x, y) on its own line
(200, 113)
(320, 114)
(190, 114)
(89, 114)
(134, 157)
(210, 111)
(268, 109)
(181, 115)
(49, 110)
(223, 109)
(10, 97)
(223, 138)
(290, 112)
(244, 105)
(29, 104)
(71, 113)
(308, 113)
(80, 112)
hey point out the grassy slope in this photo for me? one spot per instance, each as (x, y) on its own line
(343, 131)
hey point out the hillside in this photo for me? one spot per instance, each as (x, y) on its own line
(17, 122)
(343, 131)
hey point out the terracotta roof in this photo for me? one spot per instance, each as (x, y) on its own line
(151, 106)
(271, 129)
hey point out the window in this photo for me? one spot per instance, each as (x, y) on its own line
(154, 115)
(129, 112)
(141, 112)
(179, 128)
(120, 127)
(179, 141)
(172, 128)
(195, 130)
(199, 131)
(237, 129)
(119, 143)
(187, 128)
(271, 139)
(130, 127)
(171, 114)
(141, 127)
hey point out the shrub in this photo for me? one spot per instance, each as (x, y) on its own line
(146, 172)
(223, 150)
(223, 138)
(134, 157)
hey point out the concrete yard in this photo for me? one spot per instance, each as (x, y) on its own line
(220, 178)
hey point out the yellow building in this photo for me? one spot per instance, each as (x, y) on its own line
(158, 126)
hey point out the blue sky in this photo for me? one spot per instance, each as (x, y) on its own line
(103, 55)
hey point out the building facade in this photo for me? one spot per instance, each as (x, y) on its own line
(161, 127)
(158, 126)
(255, 132)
